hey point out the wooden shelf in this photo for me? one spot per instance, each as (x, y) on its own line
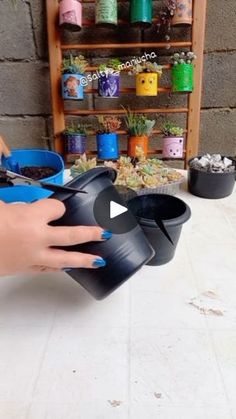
(130, 90)
(192, 111)
(127, 45)
(91, 22)
(73, 157)
(125, 132)
(96, 68)
(122, 112)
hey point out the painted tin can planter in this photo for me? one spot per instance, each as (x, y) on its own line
(75, 143)
(107, 146)
(141, 13)
(109, 85)
(183, 13)
(106, 12)
(147, 84)
(137, 141)
(70, 14)
(182, 78)
(173, 147)
(72, 88)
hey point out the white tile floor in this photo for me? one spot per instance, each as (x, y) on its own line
(163, 346)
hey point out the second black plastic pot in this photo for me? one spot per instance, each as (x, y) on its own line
(172, 211)
(125, 253)
(211, 185)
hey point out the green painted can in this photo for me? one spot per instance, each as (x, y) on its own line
(106, 12)
(182, 78)
(141, 12)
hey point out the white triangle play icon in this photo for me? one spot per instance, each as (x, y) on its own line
(116, 209)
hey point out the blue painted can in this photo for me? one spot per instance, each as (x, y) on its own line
(109, 85)
(107, 146)
(72, 88)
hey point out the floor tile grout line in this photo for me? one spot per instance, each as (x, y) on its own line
(129, 350)
(195, 280)
(219, 369)
(42, 358)
(209, 332)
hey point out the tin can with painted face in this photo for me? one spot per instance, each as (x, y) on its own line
(147, 84)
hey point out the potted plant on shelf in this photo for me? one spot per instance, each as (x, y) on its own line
(165, 18)
(147, 78)
(107, 137)
(173, 141)
(75, 136)
(139, 130)
(106, 13)
(183, 13)
(109, 79)
(182, 72)
(70, 14)
(73, 69)
(141, 13)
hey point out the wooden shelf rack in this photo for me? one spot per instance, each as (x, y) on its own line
(56, 49)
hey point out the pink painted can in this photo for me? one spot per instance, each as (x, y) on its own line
(70, 14)
(173, 147)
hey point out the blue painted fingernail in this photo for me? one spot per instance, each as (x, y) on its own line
(106, 235)
(99, 263)
(66, 269)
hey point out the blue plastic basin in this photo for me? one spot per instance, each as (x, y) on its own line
(33, 157)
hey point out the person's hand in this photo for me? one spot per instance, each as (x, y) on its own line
(4, 150)
(27, 239)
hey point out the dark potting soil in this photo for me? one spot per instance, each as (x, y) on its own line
(37, 172)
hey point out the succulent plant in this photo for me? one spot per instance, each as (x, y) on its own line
(166, 15)
(73, 128)
(112, 65)
(183, 58)
(138, 124)
(83, 164)
(145, 173)
(108, 124)
(146, 67)
(171, 130)
(74, 65)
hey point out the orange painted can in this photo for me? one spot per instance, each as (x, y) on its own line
(140, 141)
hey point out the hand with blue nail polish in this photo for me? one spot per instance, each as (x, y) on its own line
(106, 235)
(32, 244)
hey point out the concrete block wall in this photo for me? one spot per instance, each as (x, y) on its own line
(25, 108)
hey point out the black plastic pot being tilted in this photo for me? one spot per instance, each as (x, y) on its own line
(128, 249)
(172, 211)
(211, 185)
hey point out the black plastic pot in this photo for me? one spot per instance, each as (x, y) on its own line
(125, 253)
(210, 185)
(172, 211)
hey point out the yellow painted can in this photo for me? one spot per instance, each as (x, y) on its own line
(147, 84)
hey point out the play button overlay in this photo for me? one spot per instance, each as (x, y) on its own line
(116, 209)
(111, 213)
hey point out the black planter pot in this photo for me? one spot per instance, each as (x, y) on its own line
(172, 211)
(128, 249)
(211, 185)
